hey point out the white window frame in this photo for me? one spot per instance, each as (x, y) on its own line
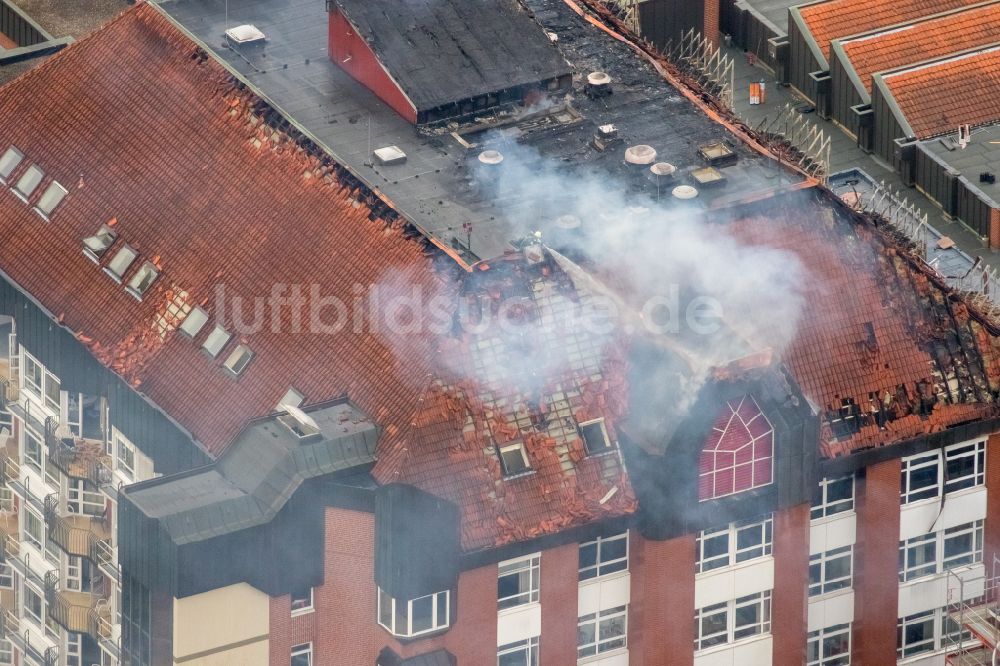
(52, 403)
(118, 265)
(238, 360)
(609, 632)
(122, 444)
(29, 180)
(308, 608)
(821, 562)
(50, 199)
(37, 619)
(734, 554)
(825, 508)
(216, 341)
(142, 279)
(976, 451)
(6, 577)
(733, 633)
(604, 432)
(302, 649)
(6, 652)
(932, 645)
(601, 566)
(528, 647)
(936, 542)
(194, 321)
(530, 565)
(820, 637)
(440, 613)
(37, 389)
(9, 161)
(27, 460)
(510, 447)
(939, 461)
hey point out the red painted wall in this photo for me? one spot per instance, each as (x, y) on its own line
(661, 614)
(876, 566)
(791, 565)
(352, 54)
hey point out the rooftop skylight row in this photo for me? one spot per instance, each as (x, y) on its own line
(27, 184)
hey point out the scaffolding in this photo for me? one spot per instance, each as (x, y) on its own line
(627, 11)
(704, 63)
(973, 616)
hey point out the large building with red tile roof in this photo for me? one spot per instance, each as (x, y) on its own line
(256, 415)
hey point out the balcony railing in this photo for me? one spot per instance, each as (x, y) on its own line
(76, 457)
(76, 533)
(10, 470)
(102, 553)
(11, 629)
(8, 392)
(75, 611)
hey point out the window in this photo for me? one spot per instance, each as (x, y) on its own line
(915, 634)
(52, 389)
(126, 455)
(738, 455)
(830, 571)
(194, 322)
(51, 198)
(739, 542)
(595, 437)
(120, 262)
(601, 632)
(302, 655)
(95, 246)
(733, 621)
(33, 604)
(239, 359)
(964, 466)
(514, 459)
(6, 652)
(604, 556)
(8, 162)
(833, 496)
(830, 646)
(28, 181)
(32, 451)
(517, 582)
(302, 601)
(32, 375)
(142, 279)
(521, 653)
(6, 577)
(937, 552)
(414, 617)
(216, 340)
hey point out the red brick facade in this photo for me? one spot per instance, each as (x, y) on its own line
(661, 616)
(991, 526)
(791, 571)
(559, 591)
(876, 559)
(711, 24)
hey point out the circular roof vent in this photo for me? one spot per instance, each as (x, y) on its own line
(641, 154)
(684, 192)
(568, 222)
(663, 169)
(491, 157)
(598, 79)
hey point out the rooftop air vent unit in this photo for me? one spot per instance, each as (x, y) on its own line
(717, 154)
(685, 192)
(606, 137)
(390, 155)
(640, 155)
(568, 222)
(244, 35)
(598, 85)
(491, 157)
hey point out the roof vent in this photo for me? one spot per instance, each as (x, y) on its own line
(605, 137)
(598, 84)
(717, 154)
(300, 423)
(640, 155)
(568, 222)
(244, 35)
(390, 155)
(491, 157)
(663, 170)
(684, 192)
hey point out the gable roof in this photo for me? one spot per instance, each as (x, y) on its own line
(921, 41)
(142, 126)
(443, 51)
(834, 19)
(937, 97)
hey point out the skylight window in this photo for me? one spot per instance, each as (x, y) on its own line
(595, 437)
(142, 279)
(51, 198)
(29, 181)
(8, 162)
(514, 459)
(120, 262)
(216, 340)
(194, 322)
(95, 246)
(239, 359)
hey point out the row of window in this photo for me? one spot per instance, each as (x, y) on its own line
(928, 631)
(733, 621)
(29, 182)
(954, 468)
(514, 457)
(936, 552)
(733, 544)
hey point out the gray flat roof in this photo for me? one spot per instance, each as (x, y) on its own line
(435, 189)
(980, 155)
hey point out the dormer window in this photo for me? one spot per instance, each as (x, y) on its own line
(28, 182)
(595, 437)
(194, 321)
(514, 459)
(8, 162)
(95, 246)
(52, 197)
(216, 340)
(239, 359)
(142, 279)
(120, 262)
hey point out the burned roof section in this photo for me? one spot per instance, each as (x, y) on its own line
(445, 51)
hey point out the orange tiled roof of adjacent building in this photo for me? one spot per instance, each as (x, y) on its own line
(938, 97)
(834, 19)
(960, 31)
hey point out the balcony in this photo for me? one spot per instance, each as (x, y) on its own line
(10, 629)
(76, 457)
(77, 611)
(8, 388)
(76, 533)
(102, 553)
